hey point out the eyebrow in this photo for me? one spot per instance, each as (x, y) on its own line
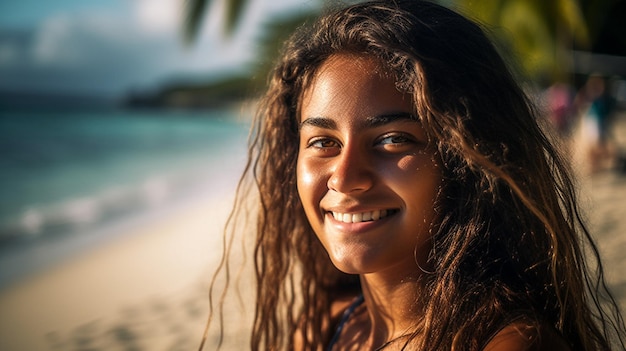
(369, 122)
(320, 122)
(376, 121)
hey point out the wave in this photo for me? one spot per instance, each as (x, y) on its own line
(70, 179)
(84, 212)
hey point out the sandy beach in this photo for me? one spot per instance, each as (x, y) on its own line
(148, 289)
(602, 198)
(144, 291)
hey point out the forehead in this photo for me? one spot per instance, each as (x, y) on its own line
(350, 68)
(347, 60)
(357, 83)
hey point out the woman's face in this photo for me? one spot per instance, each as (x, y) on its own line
(366, 176)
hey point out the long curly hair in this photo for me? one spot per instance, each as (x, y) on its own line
(511, 243)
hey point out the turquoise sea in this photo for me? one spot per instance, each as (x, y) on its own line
(68, 176)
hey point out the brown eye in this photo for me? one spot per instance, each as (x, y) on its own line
(323, 143)
(395, 140)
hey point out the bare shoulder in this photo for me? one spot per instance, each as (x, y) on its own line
(522, 336)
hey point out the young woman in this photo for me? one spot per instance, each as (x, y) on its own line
(408, 199)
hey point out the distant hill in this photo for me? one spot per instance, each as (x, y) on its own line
(38, 100)
(218, 93)
(183, 94)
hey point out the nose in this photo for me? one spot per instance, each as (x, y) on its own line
(351, 171)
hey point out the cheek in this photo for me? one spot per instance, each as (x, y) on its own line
(308, 178)
(411, 172)
(417, 180)
(310, 190)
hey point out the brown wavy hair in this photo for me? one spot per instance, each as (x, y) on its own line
(511, 243)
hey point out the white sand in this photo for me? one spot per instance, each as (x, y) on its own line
(125, 282)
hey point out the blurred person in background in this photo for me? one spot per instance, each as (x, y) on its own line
(597, 107)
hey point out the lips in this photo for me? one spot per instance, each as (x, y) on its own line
(368, 216)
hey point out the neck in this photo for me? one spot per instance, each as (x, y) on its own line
(393, 305)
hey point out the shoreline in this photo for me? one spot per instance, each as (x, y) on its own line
(165, 259)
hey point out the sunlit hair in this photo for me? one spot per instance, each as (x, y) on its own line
(510, 244)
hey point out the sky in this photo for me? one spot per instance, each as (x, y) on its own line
(109, 47)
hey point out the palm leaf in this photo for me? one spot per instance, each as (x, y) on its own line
(234, 12)
(194, 13)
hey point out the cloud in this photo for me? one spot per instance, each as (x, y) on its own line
(113, 50)
(95, 40)
(107, 52)
(158, 15)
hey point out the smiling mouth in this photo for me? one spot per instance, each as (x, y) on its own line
(362, 216)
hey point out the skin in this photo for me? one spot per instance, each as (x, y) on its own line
(361, 152)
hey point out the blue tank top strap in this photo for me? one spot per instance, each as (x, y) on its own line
(346, 315)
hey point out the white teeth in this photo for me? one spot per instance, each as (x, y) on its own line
(375, 215)
(360, 217)
(347, 218)
(367, 216)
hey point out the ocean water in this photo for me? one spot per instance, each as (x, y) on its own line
(68, 176)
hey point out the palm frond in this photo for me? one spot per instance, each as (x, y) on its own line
(234, 12)
(194, 13)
